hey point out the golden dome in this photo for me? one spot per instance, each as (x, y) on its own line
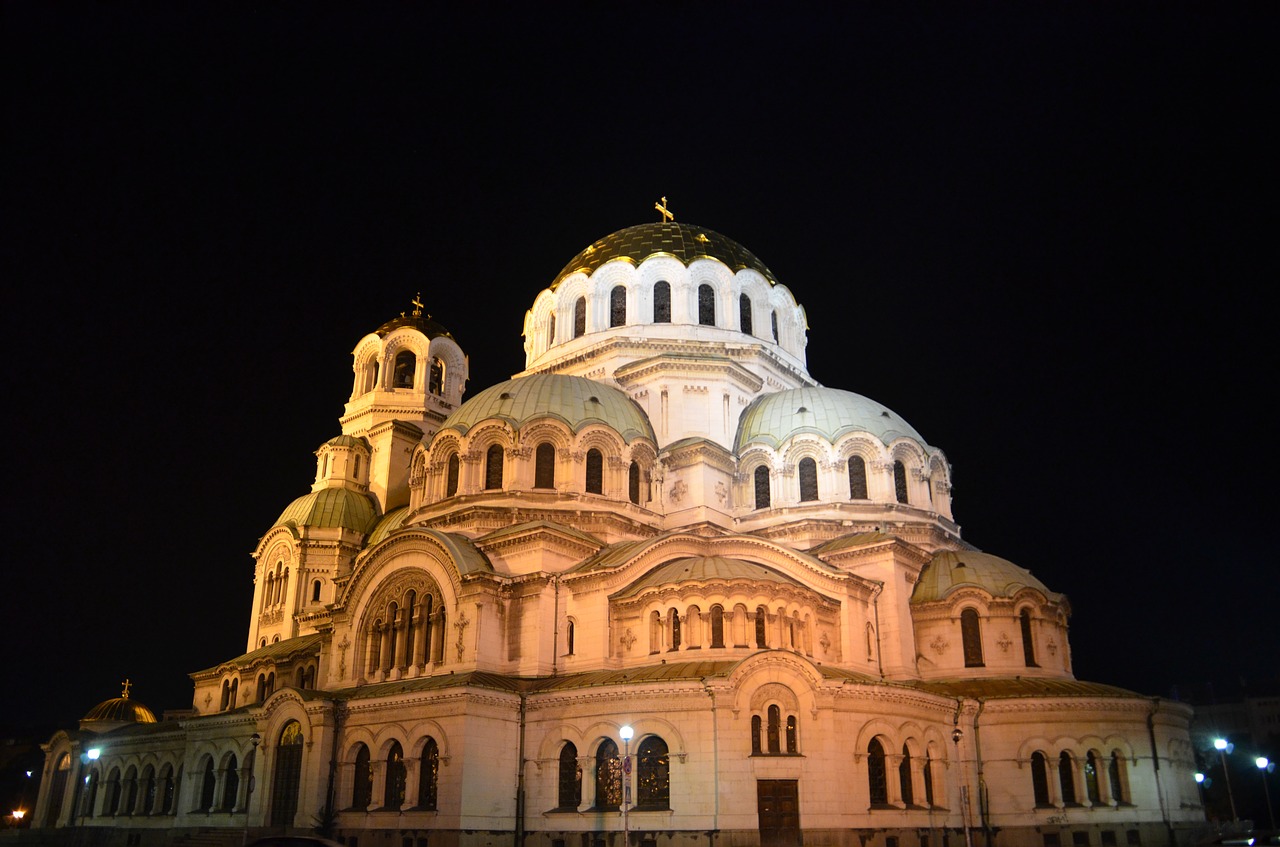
(683, 241)
(119, 710)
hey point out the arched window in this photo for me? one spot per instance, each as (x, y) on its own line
(876, 776)
(393, 796)
(402, 373)
(569, 794)
(928, 779)
(706, 305)
(568, 638)
(793, 741)
(164, 791)
(900, 482)
(1028, 642)
(857, 478)
(551, 329)
(544, 466)
(744, 314)
(904, 777)
(1091, 778)
(674, 617)
(580, 317)
(608, 776)
(111, 804)
(208, 784)
(429, 780)
(1115, 775)
(762, 487)
(633, 483)
(756, 749)
(1040, 778)
(595, 471)
(717, 626)
(618, 306)
(493, 467)
(773, 319)
(230, 784)
(130, 790)
(653, 774)
(435, 383)
(773, 730)
(315, 591)
(971, 638)
(287, 775)
(808, 479)
(1067, 778)
(362, 782)
(761, 617)
(662, 302)
(451, 478)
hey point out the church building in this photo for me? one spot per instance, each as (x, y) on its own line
(659, 589)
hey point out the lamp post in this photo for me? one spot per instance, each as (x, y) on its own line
(956, 735)
(1224, 747)
(1266, 766)
(626, 733)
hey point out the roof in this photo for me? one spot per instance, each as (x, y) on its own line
(423, 323)
(774, 418)
(678, 240)
(950, 570)
(703, 569)
(331, 508)
(388, 524)
(278, 651)
(119, 709)
(574, 400)
(990, 689)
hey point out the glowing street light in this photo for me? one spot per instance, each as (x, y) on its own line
(1265, 766)
(1224, 747)
(626, 733)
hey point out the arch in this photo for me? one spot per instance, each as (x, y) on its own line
(1040, 779)
(429, 775)
(404, 369)
(1118, 778)
(451, 475)
(653, 774)
(569, 778)
(905, 788)
(717, 625)
(208, 784)
(744, 314)
(230, 783)
(662, 302)
(544, 466)
(706, 305)
(396, 776)
(595, 472)
(761, 481)
(608, 776)
(362, 779)
(857, 478)
(493, 467)
(580, 317)
(808, 473)
(1091, 787)
(1067, 778)
(877, 776)
(286, 779)
(971, 638)
(618, 306)
(1028, 641)
(900, 482)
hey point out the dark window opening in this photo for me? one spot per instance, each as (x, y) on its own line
(744, 313)
(971, 638)
(808, 479)
(544, 471)
(1028, 643)
(580, 317)
(451, 480)
(662, 302)
(618, 306)
(653, 774)
(595, 471)
(706, 305)
(876, 776)
(857, 478)
(762, 487)
(900, 482)
(493, 467)
(569, 795)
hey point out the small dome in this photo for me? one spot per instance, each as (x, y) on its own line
(683, 241)
(421, 322)
(828, 412)
(703, 569)
(575, 400)
(119, 710)
(951, 570)
(347, 441)
(331, 508)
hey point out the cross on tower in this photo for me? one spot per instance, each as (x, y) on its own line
(417, 305)
(664, 211)
(126, 684)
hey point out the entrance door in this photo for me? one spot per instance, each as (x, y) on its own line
(778, 801)
(287, 775)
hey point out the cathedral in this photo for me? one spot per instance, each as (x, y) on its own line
(659, 589)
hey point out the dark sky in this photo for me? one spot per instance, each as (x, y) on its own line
(1036, 231)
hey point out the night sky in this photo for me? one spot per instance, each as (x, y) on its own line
(1035, 231)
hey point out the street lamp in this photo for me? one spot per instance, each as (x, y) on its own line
(1265, 766)
(626, 733)
(1224, 747)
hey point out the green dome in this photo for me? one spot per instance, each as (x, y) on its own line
(828, 412)
(951, 570)
(683, 241)
(332, 508)
(575, 400)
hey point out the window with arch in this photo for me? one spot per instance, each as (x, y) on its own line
(393, 793)
(165, 791)
(208, 784)
(435, 382)
(808, 472)
(402, 371)
(111, 803)
(633, 483)
(674, 617)
(900, 482)
(451, 476)
(857, 478)
(1115, 776)
(569, 781)
(662, 302)
(717, 625)
(230, 784)
(89, 802)
(130, 786)
(904, 777)
(568, 637)
(971, 638)
(761, 478)
(355, 472)
(744, 314)
(775, 733)
(1067, 778)
(493, 467)
(551, 329)
(1040, 779)
(1091, 778)
(1028, 641)
(580, 317)
(762, 616)
(595, 471)
(362, 780)
(429, 779)
(315, 591)
(544, 466)
(706, 305)
(287, 775)
(928, 779)
(618, 306)
(877, 777)
(653, 774)
(608, 776)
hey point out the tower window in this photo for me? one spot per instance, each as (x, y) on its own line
(402, 373)
(762, 487)
(435, 383)
(1067, 778)
(717, 626)
(706, 305)
(900, 482)
(595, 471)
(744, 314)
(1040, 778)
(493, 467)
(971, 638)
(618, 306)
(570, 778)
(315, 591)
(653, 774)
(580, 317)
(808, 479)
(430, 778)
(544, 471)
(662, 302)
(857, 478)
(551, 329)
(773, 319)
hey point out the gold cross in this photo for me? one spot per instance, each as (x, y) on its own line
(664, 211)
(126, 684)
(417, 305)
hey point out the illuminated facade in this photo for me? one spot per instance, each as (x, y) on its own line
(665, 523)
